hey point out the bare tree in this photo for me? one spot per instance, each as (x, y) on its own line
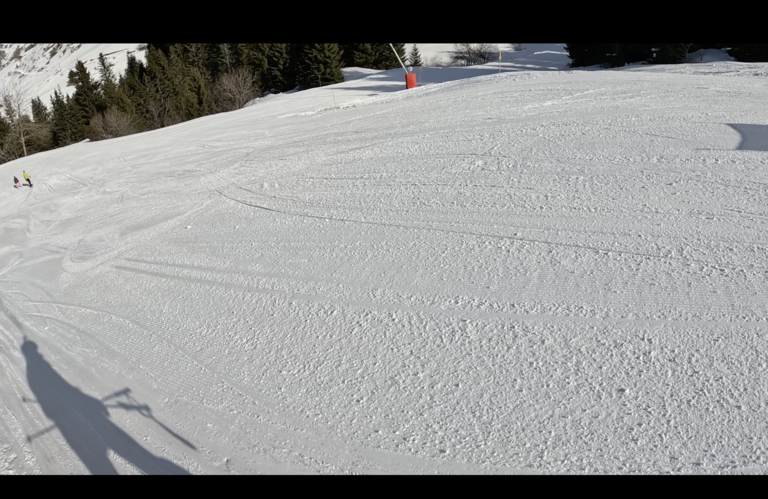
(235, 88)
(470, 54)
(672, 53)
(432, 61)
(112, 123)
(37, 138)
(12, 99)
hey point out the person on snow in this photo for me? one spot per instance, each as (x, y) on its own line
(26, 177)
(16, 183)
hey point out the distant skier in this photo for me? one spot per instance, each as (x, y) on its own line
(16, 183)
(26, 177)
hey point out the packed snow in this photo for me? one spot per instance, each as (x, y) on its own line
(546, 271)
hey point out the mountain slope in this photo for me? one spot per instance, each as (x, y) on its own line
(39, 68)
(538, 271)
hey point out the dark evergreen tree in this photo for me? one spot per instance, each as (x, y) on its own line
(386, 58)
(61, 120)
(628, 53)
(414, 56)
(5, 129)
(131, 85)
(320, 65)
(253, 55)
(165, 48)
(40, 113)
(86, 100)
(227, 57)
(161, 90)
(364, 55)
(178, 85)
(348, 53)
(278, 71)
(590, 54)
(111, 92)
(375, 55)
(671, 53)
(200, 94)
(197, 55)
(749, 52)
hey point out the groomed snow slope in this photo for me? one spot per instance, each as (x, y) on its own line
(558, 272)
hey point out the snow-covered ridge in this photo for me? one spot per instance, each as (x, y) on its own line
(39, 68)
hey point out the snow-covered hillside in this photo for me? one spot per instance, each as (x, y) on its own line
(535, 271)
(39, 68)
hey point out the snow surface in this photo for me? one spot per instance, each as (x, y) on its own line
(525, 272)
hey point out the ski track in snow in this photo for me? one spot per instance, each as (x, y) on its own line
(544, 272)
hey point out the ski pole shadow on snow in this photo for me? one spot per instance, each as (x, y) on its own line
(84, 421)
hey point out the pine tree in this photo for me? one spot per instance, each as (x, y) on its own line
(671, 53)
(165, 48)
(628, 53)
(5, 129)
(86, 100)
(160, 91)
(179, 84)
(61, 122)
(348, 53)
(749, 52)
(278, 67)
(131, 86)
(365, 55)
(253, 56)
(109, 89)
(197, 55)
(387, 58)
(227, 60)
(40, 113)
(375, 55)
(180, 88)
(200, 94)
(590, 54)
(414, 56)
(320, 65)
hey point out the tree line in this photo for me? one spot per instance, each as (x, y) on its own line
(176, 83)
(620, 54)
(180, 82)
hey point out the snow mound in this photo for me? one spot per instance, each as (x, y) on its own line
(708, 56)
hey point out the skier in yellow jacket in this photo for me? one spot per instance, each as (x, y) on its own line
(26, 177)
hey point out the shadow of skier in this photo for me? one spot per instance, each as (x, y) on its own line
(753, 137)
(84, 422)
